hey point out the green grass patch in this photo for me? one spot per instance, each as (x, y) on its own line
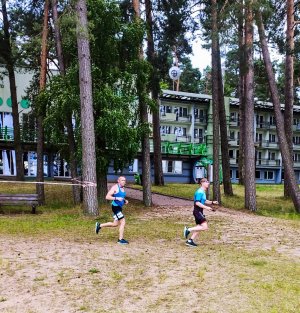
(156, 263)
(270, 199)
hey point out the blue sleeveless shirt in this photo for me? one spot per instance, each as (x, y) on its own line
(121, 194)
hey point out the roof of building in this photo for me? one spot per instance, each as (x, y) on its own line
(197, 97)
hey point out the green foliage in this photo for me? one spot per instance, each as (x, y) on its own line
(190, 78)
(115, 70)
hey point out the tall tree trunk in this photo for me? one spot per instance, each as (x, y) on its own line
(289, 84)
(13, 92)
(241, 88)
(250, 188)
(224, 131)
(289, 173)
(102, 186)
(68, 122)
(215, 102)
(155, 88)
(90, 201)
(146, 164)
(40, 116)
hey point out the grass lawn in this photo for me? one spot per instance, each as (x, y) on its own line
(53, 261)
(270, 199)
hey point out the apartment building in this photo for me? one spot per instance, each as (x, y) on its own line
(187, 117)
(186, 134)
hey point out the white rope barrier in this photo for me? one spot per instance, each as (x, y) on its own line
(80, 183)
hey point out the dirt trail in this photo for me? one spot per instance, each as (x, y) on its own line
(237, 228)
(57, 275)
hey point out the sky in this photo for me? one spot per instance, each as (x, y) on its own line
(201, 58)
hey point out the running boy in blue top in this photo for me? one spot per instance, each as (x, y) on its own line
(117, 194)
(199, 204)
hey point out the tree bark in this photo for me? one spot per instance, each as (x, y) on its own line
(102, 186)
(215, 102)
(224, 131)
(289, 84)
(289, 173)
(154, 86)
(68, 122)
(241, 88)
(13, 94)
(40, 117)
(90, 201)
(146, 164)
(250, 188)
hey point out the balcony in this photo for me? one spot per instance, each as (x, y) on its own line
(233, 142)
(234, 122)
(296, 146)
(199, 140)
(170, 117)
(267, 144)
(296, 127)
(183, 139)
(233, 161)
(268, 162)
(201, 119)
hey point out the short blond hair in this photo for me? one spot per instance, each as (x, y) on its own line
(203, 180)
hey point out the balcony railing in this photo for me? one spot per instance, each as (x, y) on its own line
(267, 143)
(201, 119)
(265, 125)
(268, 162)
(264, 162)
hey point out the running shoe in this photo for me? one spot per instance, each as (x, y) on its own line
(123, 242)
(190, 243)
(186, 232)
(97, 227)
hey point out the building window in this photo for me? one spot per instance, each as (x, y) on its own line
(231, 154)
(231, 174)
(233, 116)
(165, 130)
(257, 174)
(196, 113)
(296, 157)
(183, 112)
(258, 137)
(269, 175)
(296, 140)
(232, 136)
(180, 131)
(272, 138)
(271, 156)
(272, 120)
(198, 133)
(133, 167)
(174, 167)
(237, 174)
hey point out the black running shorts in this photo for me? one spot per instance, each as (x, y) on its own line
(118, 214)
(199, 216)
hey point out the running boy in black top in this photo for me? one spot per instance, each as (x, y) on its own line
(117, 194)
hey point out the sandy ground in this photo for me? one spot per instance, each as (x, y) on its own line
(59, 275)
